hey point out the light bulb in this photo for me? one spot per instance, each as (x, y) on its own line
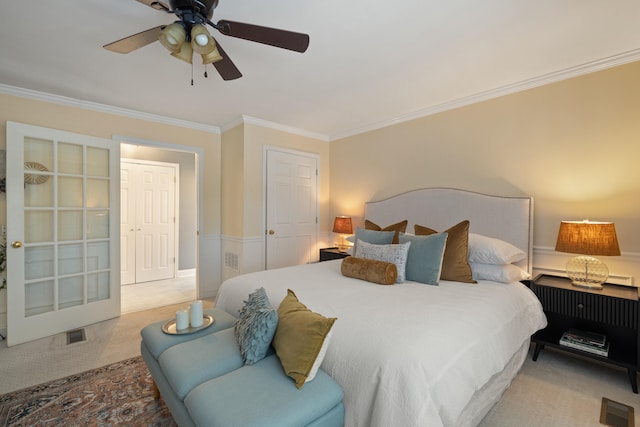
(171, 40)
(202, 39)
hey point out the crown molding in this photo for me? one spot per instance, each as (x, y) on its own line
(102, 108)
(248, 120)
(233, 123)
(545, 79)
(568, 73)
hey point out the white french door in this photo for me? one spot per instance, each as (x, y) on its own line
(147, 221)
(62, 231)
(291, 208)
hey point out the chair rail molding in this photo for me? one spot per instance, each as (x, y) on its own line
(622, 269)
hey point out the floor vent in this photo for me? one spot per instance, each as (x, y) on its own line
(616, 414)
(77, 335)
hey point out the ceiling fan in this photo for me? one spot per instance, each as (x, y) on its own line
(189, 34)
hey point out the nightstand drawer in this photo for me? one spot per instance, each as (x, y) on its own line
(588, 306)
(327, 254)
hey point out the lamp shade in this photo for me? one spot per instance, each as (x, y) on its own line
(211, 57)
(172, 37)
(342, 225)
(201, 41)
(185, 53)
(588, 238)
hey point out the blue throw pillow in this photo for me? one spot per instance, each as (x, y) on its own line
(424, 261)
(255, 327)
(372, 236)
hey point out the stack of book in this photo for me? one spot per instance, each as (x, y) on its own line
(590, 342)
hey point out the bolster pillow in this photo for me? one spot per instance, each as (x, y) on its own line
(380, 272)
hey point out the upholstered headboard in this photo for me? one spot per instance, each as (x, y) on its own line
(506, 218)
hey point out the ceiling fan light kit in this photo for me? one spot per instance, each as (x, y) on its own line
(188, 35)
(173, 36)
(211, 57)
(185, 53)
(201, 41)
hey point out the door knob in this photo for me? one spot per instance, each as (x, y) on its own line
(16, 244)
(272, 232)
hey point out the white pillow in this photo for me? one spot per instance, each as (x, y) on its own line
(505, 273)
(487, 250)
(320, 358)
(394, 253)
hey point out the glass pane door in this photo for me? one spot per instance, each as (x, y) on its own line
(65, 236)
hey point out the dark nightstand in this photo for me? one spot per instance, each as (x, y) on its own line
(612, 311)
(327, 254)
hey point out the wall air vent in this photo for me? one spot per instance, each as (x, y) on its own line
(231, 261)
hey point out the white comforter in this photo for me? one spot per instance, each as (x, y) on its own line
(408, 354)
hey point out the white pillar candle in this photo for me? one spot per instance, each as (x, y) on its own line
(182, 319)
(197, 317)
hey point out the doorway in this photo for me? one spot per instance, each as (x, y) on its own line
(181, 284)
(148, 218)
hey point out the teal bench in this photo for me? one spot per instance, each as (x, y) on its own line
(203, 381)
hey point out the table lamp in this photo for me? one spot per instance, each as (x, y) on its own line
(342, 225)
(587, 238)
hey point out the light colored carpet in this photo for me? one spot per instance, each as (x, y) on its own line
(142, 296)
(51, 358)
(561, 390)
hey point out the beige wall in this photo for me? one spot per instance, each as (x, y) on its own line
(574, 146)
(233, 178)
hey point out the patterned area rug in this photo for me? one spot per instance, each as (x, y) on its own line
(119, 394)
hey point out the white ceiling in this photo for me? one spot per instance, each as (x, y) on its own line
(369, 62)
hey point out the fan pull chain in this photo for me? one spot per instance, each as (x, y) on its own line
(205, 71)
(192, 74)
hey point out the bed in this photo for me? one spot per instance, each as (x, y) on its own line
(413, 354)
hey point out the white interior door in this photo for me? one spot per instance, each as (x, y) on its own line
(62, 217)
(149, 230)
(291, 208)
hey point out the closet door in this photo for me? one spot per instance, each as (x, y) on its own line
(291, 208)
(148, 220)
(62, 235)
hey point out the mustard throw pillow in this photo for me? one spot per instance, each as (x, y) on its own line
(380, 272)
(301, 339)
(399, 227)
(455, 263)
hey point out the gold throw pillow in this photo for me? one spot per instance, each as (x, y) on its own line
(299, 339)
(398, 227)
(455, 263)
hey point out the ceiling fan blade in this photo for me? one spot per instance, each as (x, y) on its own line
(157, 5)
(272, 36)
(136, 41)
(225, 67)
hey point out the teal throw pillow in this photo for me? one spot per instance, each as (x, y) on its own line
(373, 236)
(255, 327)
(424, 261)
